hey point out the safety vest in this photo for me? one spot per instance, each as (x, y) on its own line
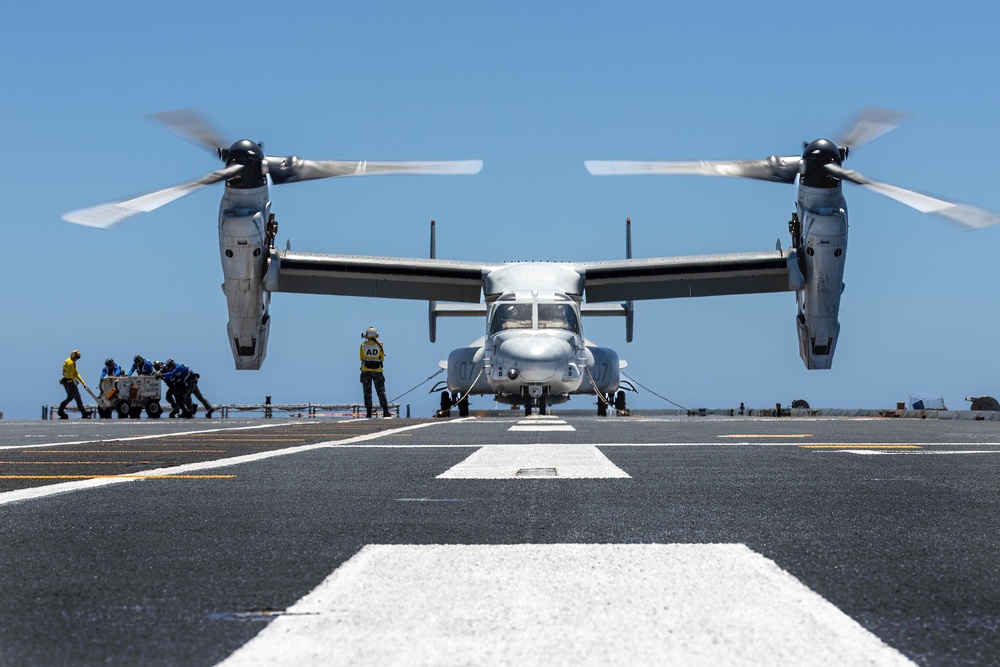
(70, 372)
(372, 356)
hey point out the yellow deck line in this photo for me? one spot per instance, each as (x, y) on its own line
(74, 463)
(860, 446)
(767, 435)
(117, 476)
(125, 451)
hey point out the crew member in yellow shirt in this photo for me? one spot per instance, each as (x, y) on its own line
(372, 356)
(70, 376)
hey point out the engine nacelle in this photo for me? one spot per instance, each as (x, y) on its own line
(822, 253)
(604, 367)
(464, 366)
(244, 254)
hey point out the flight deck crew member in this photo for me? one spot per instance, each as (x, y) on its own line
(372, 356)
(192, 388)
(111, 369)
(70, 376)
(141, 366)
(175, 376)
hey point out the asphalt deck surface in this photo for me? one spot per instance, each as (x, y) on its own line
(697, 540)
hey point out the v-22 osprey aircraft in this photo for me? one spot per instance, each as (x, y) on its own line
(533, 352)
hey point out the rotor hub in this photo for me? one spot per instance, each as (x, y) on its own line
(815, 157)
(251, 156)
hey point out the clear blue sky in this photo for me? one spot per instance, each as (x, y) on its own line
(532, 89)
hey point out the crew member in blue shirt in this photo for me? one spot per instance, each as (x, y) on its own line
(140, 366)
(176, 378)
(111, 369)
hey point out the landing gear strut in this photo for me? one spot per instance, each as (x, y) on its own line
(541, 403)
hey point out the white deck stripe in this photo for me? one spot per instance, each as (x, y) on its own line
(563, 604)
(542, 423)
(504, 462)
(542, 427)
(151, 436)
(67, 487)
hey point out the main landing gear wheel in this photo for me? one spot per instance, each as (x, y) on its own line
(446, 404)
(542, 406)
(463, 406)
(620, 405)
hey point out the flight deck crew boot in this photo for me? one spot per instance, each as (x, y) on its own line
(385, 413)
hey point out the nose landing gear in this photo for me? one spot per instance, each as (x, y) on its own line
(539, 402)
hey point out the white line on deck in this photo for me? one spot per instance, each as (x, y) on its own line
(563, 604)
(67, 487)
(506, 461)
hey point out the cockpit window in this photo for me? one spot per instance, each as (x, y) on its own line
(511, 316)
(557, 316)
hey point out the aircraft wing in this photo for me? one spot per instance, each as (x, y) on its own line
(704, 275)
(385, 277)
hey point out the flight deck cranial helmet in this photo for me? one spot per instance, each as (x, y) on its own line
(74, 355)
(370, 333)
(138, 359)
(170, 364)
(109, 362)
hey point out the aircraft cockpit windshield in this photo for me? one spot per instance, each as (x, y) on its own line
(558, 316)
(511, 316)
(521, 316)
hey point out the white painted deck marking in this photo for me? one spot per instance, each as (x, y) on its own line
(504, 462)
(68, 487)
(563, 604)
(541, 427)
(542, 423)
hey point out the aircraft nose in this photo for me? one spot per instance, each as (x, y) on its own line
(537, 358)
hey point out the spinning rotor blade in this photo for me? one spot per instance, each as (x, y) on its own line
(291, 169)
(871, 124)
(191, 125)
(967, 216)
(774, 168)
(105, 215)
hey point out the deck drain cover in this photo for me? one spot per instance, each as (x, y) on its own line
(536, 472)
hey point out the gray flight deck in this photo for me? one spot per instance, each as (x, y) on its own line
(567, 539)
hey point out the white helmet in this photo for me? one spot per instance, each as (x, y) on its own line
(370, 333)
